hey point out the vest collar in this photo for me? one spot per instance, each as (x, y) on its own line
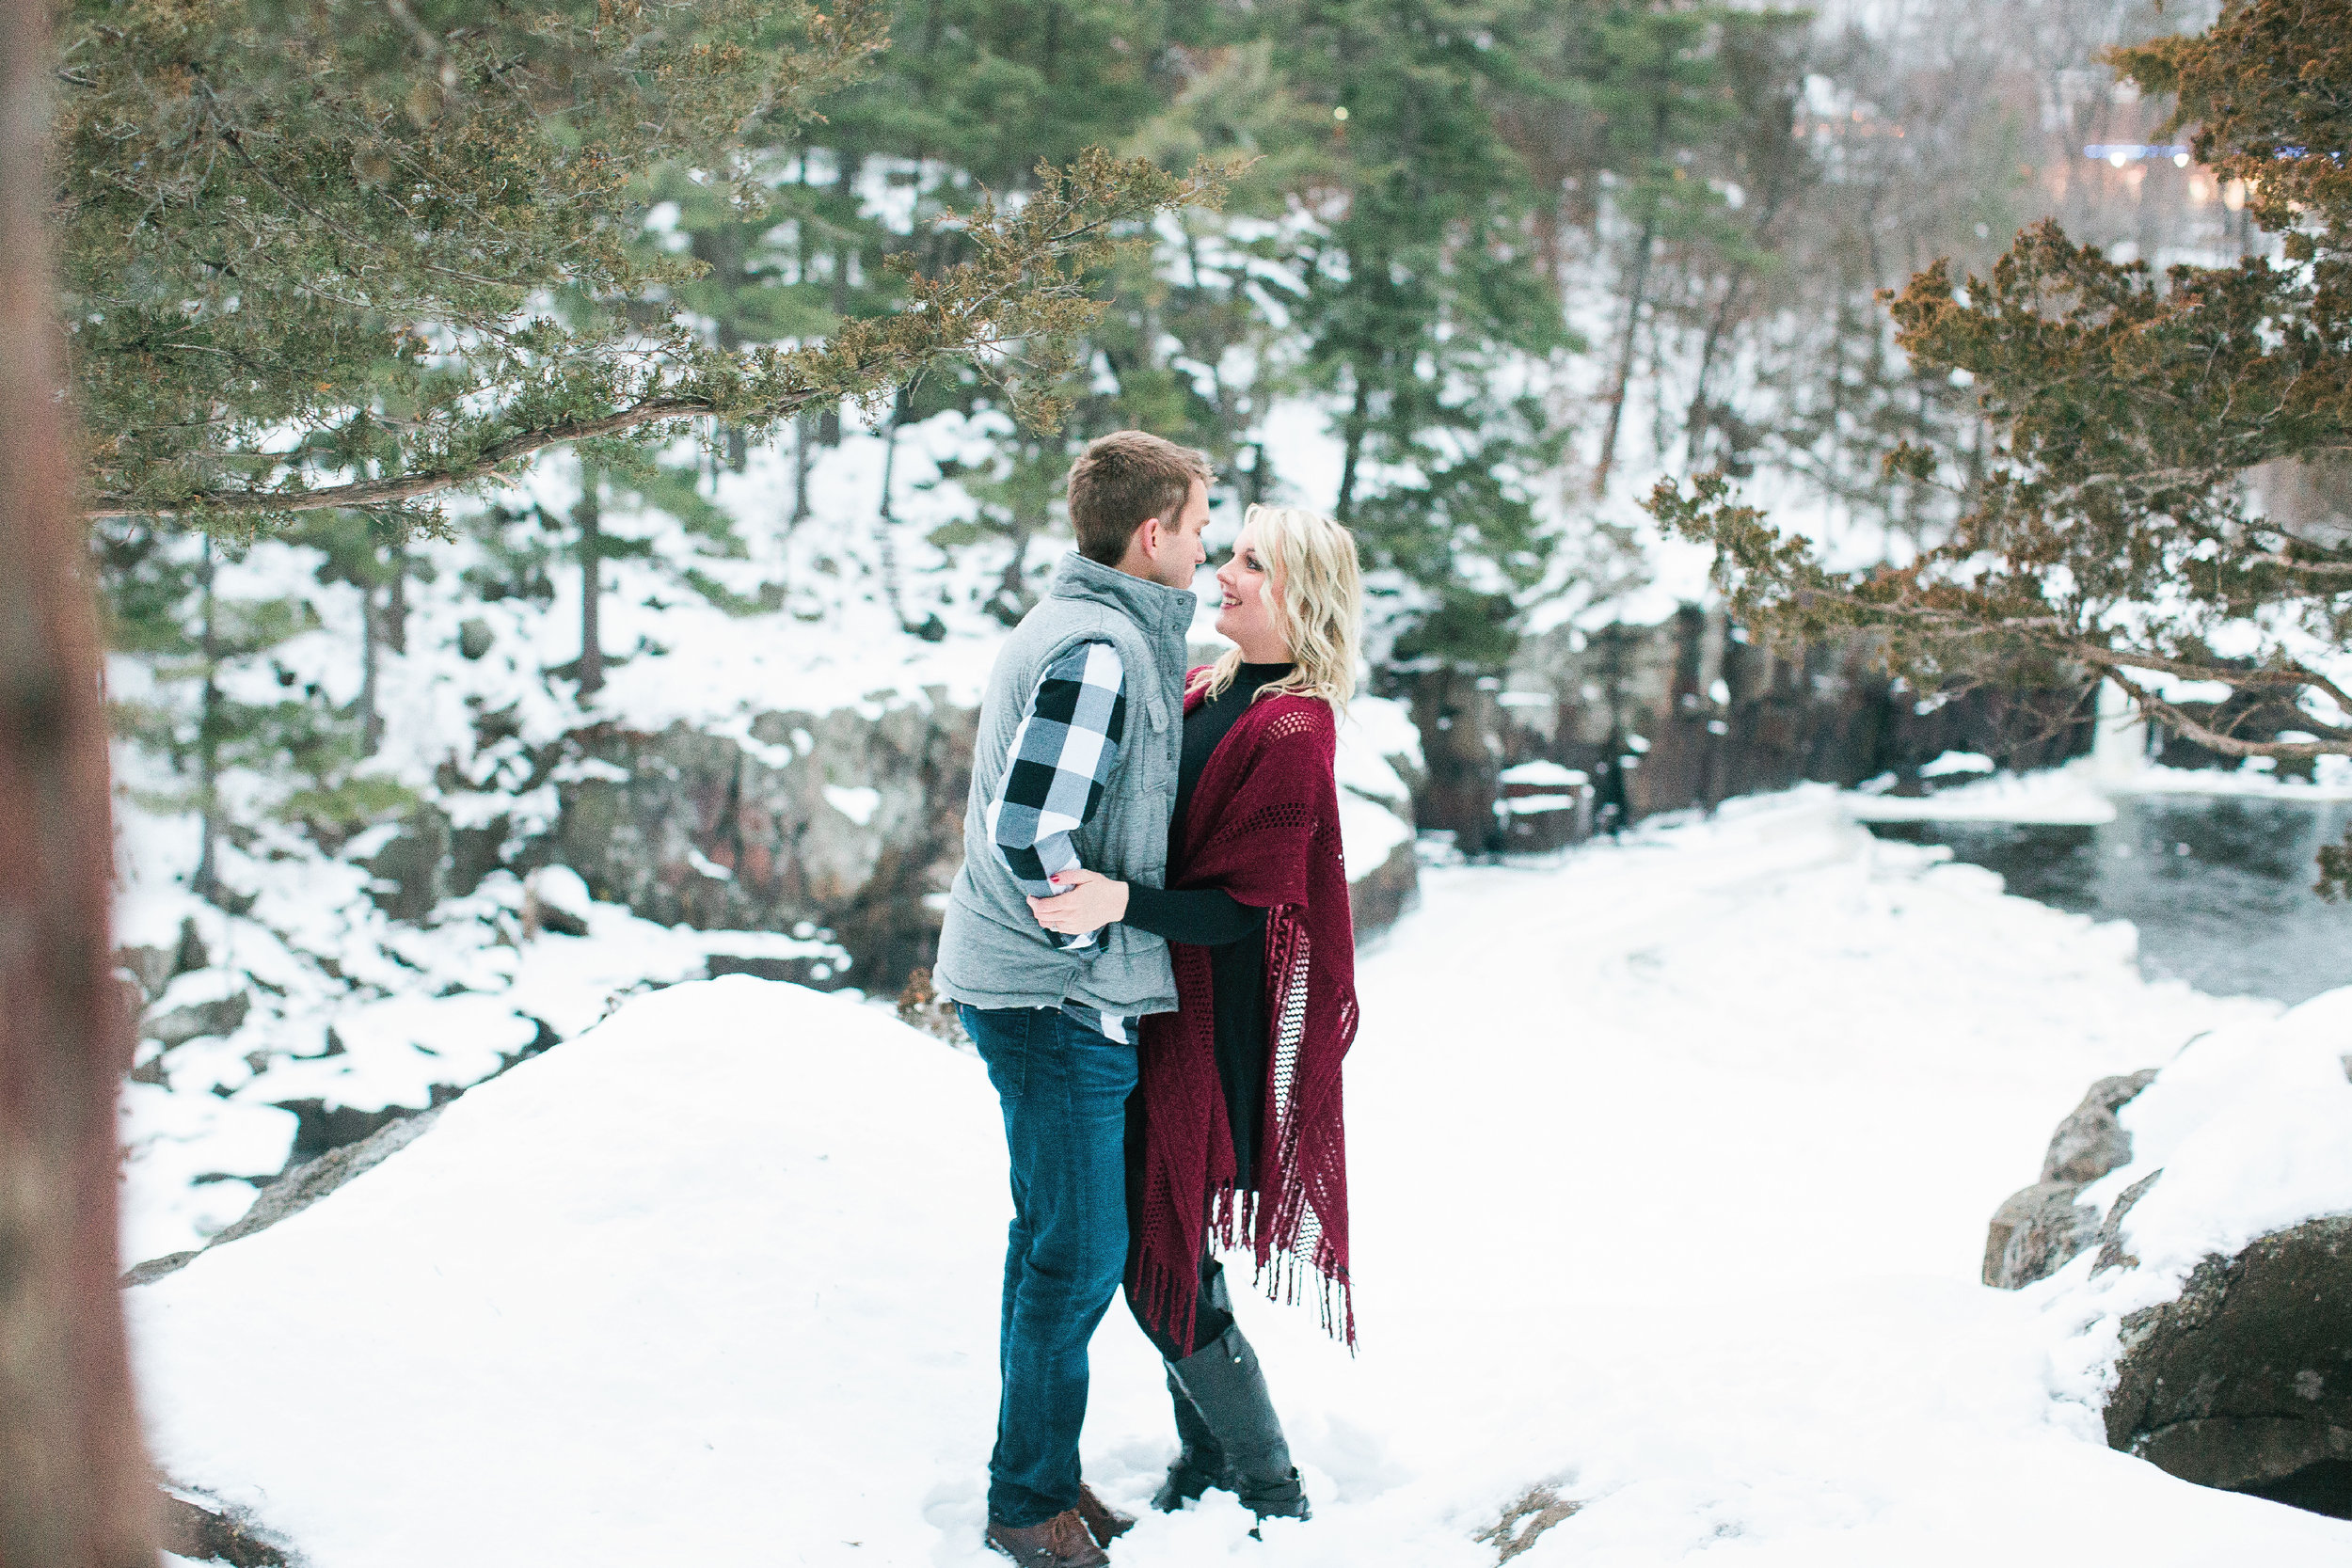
(1154, 607)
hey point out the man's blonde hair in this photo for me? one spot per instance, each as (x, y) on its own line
(1316, 590)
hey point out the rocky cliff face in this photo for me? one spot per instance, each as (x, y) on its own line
(849, 821)
(1692, 711)
(848, 824)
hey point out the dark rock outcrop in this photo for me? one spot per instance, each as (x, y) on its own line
(410, 872)
(1377, 898)
(213, 1532)
(850, 821)
(322, 1128)
(1695, 711)
(2035, 1232)
(180, 1025)
(2245, 1381)
(2038, 1228)
(300, 1187)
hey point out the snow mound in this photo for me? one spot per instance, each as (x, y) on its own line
(674, 1291)
(2071, 795)
(2246, 1132)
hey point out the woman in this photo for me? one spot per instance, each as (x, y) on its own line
(1236, 1124)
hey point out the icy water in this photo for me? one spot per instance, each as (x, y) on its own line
(2221, 887)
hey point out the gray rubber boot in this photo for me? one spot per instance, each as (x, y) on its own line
(1227, 1390)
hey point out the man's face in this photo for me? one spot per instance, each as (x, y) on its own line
(1175, 548)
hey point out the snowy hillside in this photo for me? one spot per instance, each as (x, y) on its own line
(1672, 1164)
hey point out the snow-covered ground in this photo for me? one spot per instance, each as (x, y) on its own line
(1671, 1168)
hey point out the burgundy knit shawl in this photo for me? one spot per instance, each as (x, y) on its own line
(1262, 824)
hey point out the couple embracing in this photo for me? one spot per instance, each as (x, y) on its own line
(1149, 943)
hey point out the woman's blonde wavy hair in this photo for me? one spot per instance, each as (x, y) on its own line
(1316, 590)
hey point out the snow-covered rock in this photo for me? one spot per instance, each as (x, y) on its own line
(2210, 1321)
(2041, 1226)
(2245, 1381)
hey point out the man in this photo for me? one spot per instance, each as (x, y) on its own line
(1076, 765)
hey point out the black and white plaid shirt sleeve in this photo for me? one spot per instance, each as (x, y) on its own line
(1061, 758)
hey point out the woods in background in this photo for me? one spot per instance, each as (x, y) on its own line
(1498, 262)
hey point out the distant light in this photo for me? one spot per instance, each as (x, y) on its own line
(1340, 112)
(2120, 153)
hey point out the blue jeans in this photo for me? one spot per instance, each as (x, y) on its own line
(1064, 1093)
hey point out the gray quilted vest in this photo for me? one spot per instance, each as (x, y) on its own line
(992, 951)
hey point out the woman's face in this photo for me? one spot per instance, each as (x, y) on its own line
(1246, 615)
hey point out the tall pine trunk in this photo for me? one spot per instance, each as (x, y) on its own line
(591, 519)
(1359, 424)
(1624, 379)
(370, 708)
(804, 430)
(1700, 418)
(207, 879)
(885, 542)
(1637, 296)
(74, 1490)
(396, 603)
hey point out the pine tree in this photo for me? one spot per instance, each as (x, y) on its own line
(1423, 308)
(1659, 80)
(2115, 532)
(311, 261)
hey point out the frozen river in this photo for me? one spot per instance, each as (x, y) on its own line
(2219, 886)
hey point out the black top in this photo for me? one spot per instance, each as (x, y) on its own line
(1230, 930)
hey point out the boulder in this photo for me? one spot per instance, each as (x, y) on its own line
(149, 967)
(1380, 896)
(206, 1531)
(555, 899)
(300, 1187)
(2036, 1231)
(219, 1016)
(2245, 1381)
(2090, 1142)
(2038, 1228)
(408, 873)
(851, 820)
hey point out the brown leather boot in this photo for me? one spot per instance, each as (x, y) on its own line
(1061, 1541)
(1104, 1522)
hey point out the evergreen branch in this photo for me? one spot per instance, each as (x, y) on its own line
(2310, 568)
(2074, 491)
(229, 133)
(2216, 740)
(1026, 285)
(2052, 635)
(404, 487)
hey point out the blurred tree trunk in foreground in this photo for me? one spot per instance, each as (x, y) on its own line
(74, 1485)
